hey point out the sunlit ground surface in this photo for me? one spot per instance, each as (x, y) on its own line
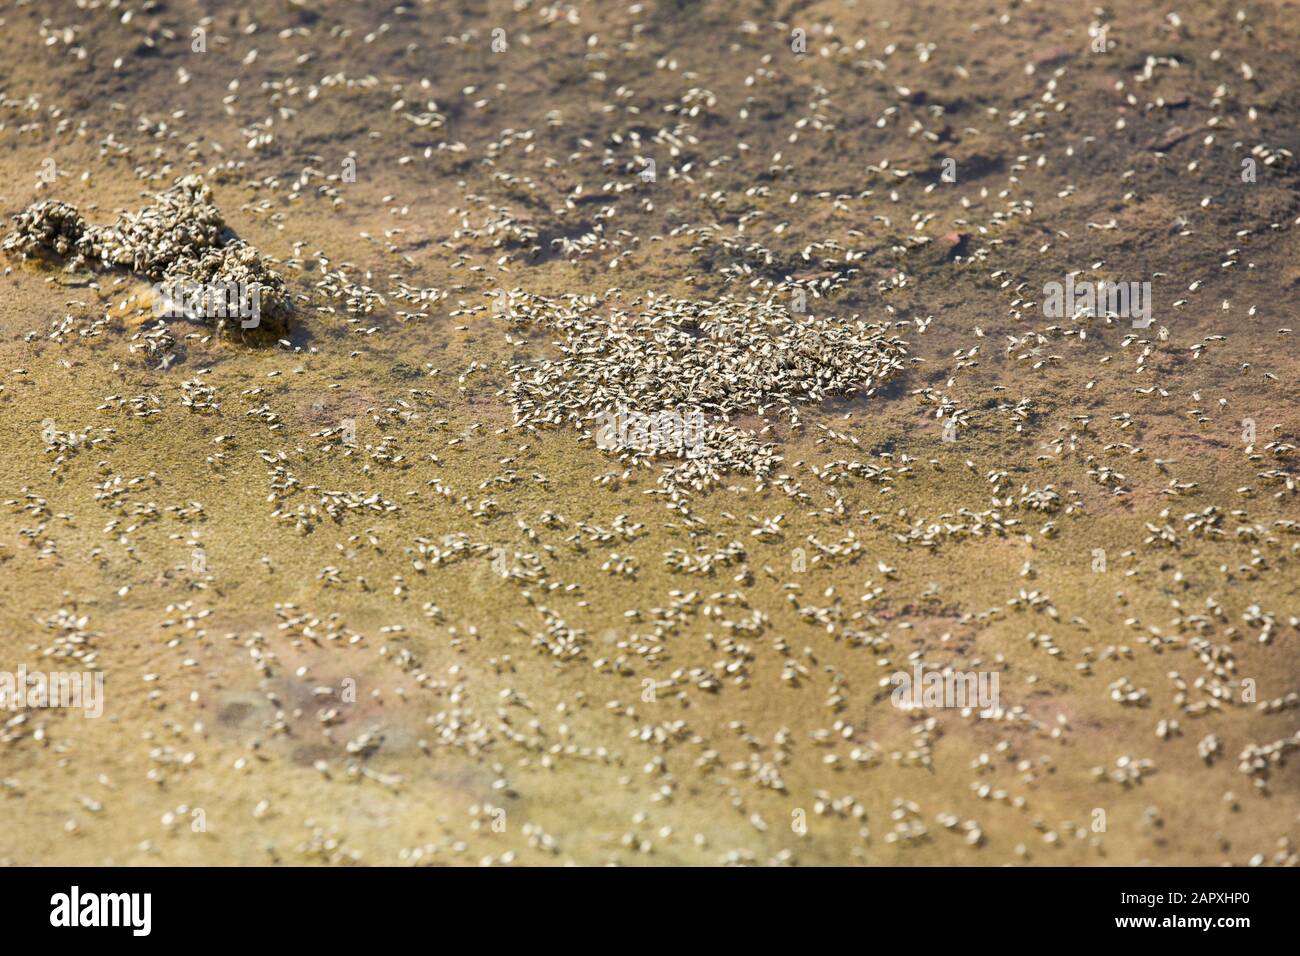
(302, 664)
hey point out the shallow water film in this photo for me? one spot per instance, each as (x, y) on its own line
(656, 433)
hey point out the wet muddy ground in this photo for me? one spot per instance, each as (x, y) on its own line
(348, 610)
